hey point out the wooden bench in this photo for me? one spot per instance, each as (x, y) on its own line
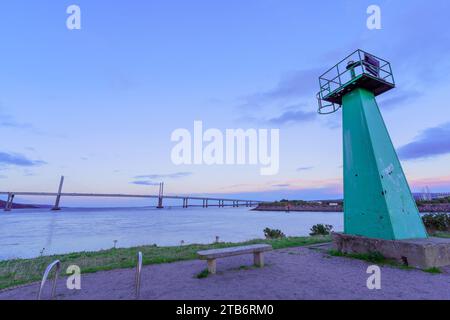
(211, 255)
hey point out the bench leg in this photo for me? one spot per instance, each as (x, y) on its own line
(212, 266)
(258, 258)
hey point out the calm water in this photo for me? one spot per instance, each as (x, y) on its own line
(24, 233)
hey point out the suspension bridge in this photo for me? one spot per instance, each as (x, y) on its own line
(187, 201)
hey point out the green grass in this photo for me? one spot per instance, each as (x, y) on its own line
(441, 234)
(378, 258)
(373, 257)
(202, 274)
(22, 271)
(244, 268)
(433, 270)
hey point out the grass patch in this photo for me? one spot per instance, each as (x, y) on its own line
(22, 271)
(441, 234)
(433, 270)
(202, 274)
(373, 257)
(378, 258)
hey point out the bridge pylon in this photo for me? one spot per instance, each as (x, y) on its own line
(160, 196)
(56, 207)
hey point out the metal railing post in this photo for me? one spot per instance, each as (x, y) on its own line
(392, 75)
(49, 268)
(138, 275)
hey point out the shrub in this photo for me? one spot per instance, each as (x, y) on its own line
(321, 229)
(273, 234)
(202, 274)
(437, 221)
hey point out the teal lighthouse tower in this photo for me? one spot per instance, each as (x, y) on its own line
(377, 199)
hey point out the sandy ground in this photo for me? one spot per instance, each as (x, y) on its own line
(290, 274)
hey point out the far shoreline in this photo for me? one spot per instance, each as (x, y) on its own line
(428, 208)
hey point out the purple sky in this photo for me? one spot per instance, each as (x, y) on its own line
(99, 104)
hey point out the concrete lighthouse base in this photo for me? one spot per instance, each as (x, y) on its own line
(418, 253)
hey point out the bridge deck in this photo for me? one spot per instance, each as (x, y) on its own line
(118, 195)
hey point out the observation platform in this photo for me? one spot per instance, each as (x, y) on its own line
(358, 70)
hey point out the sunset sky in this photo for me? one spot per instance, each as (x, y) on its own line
(99, 105)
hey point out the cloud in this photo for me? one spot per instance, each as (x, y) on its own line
(333, 123)
(289, 115)
(304, 168)
(176, 175)
(437, 183)
(148, 179)
(283, 185)
(241, 185)
(290, 184)
(145, 183)
(429, 143)
(426, 56)
(293, 117)
(8, 121)
(401, 97)
(16, 159)
(29, 174)
(295, 84)
(296, 88)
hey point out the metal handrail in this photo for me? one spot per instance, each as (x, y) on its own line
(351, 54)
(49, 268)
(330, 106)
(356, 52)
(383, 67)
(138, 275)
(334, 79)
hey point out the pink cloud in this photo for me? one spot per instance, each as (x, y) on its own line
(437, 182)
(333, 185)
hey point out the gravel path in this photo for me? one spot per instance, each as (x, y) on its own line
(290, 274)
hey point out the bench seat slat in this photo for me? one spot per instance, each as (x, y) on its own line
(233, 251)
